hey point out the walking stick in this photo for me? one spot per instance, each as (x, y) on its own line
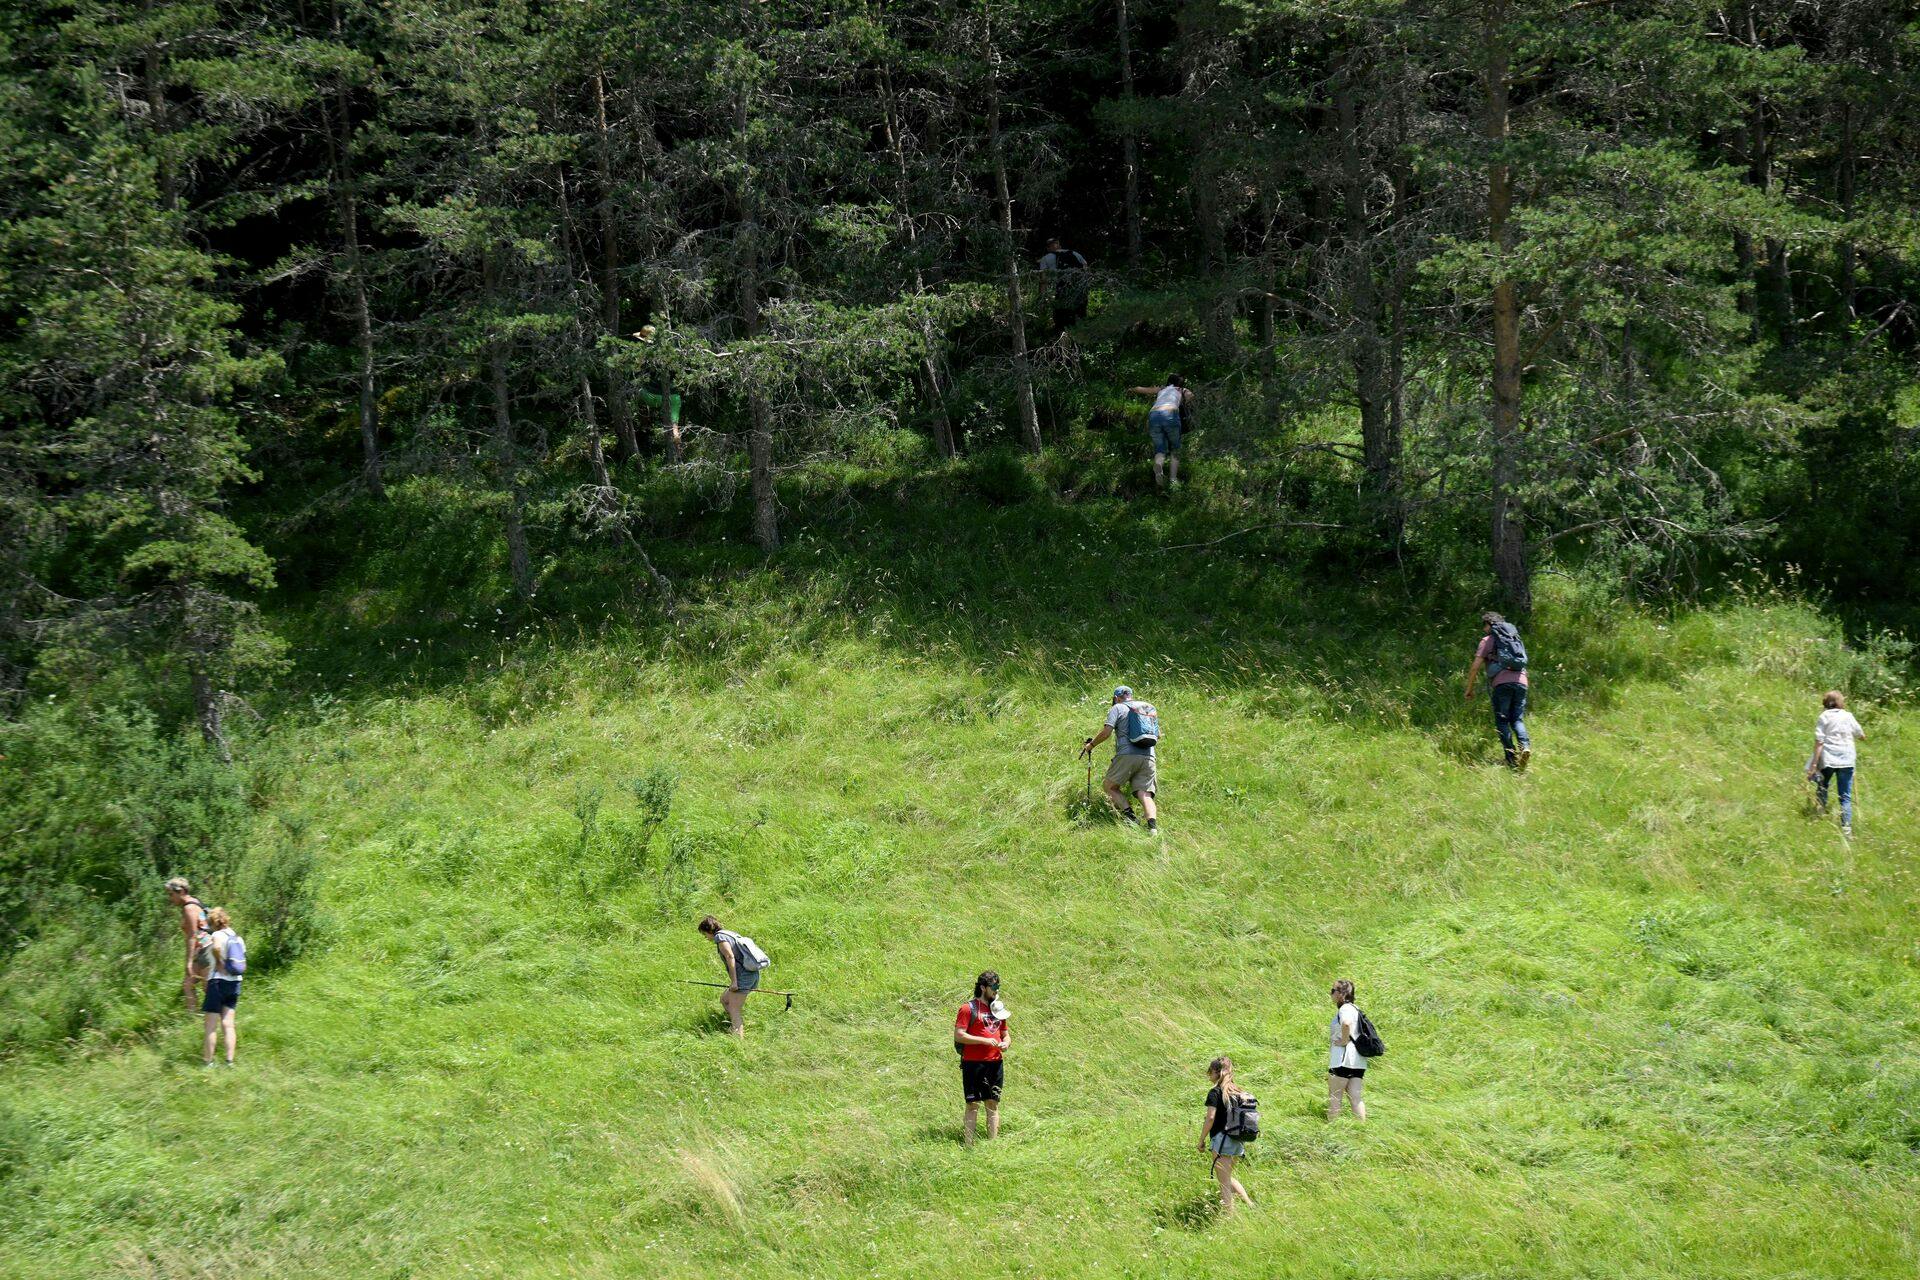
(695, 982)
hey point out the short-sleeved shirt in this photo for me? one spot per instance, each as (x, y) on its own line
(1348, 1054)
(1218, 1101)
(1169, 400)
(223, 938)
(1486, 653)
(976, 1019)
(1836, 730)
(1117, 721)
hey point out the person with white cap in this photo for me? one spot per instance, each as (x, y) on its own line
(1134, 727)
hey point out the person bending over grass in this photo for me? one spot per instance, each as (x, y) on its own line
(193, 927)
(738, 958)
(1346, 1069)
(1834, 754)
(1213, 1131)
(224, 950)
(980, 1034)
(1171, 406)
(1135, 730)
(1502, 653)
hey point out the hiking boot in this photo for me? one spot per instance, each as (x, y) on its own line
(208, 1065)
(1128, 815)
(1153, 824)
(1526, 754)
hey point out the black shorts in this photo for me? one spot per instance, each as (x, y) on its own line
(981, 1080)
(1347, 1073)
(222, 994)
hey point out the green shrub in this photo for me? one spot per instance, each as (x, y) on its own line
(278, 908)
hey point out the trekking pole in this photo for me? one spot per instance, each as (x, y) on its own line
(695, 982)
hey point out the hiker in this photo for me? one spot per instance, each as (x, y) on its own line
(980, 1035)
(1172, 405)
(1346, 1067)
(227, 964)
(1065, 273)
(1502, 653)
(1834, 753)
(743, 960)
(193, 927)
(1135, 730)
(1223, 1100)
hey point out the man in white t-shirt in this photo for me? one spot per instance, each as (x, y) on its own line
(1834, 754)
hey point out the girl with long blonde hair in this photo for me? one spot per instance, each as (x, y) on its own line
(1213, 1132)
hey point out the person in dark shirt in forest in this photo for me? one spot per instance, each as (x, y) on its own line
(1065, 272)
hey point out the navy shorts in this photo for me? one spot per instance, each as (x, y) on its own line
(1164, 426)
(222, 995)
(981, 1081)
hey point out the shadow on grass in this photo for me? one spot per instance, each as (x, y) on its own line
(1195, 1212)
(1198, 590)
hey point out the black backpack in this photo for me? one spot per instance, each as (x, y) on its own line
(1509, 652)
(1367, 1040)
(1243, 1117)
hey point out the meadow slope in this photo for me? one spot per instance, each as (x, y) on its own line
(1646, 1015)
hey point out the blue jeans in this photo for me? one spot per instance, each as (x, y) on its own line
(1510, 717)
(1845, 778)
(1164, 426)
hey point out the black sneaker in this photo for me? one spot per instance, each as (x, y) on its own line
(1130, 816)
(1153, 824)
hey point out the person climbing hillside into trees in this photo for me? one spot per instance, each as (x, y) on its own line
(743, 960)
(1135, 729)
(1502, 653)
(1065, 274)
(1834, 754)
(1172, 404)
(980, 1035)
(193, 927)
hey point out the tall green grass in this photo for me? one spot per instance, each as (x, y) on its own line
(1646, 1015)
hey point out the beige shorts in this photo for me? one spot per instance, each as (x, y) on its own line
(1133, 773)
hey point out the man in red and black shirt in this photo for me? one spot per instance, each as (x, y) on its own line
(981, 1037)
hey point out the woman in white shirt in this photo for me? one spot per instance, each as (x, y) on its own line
(1834, 734)
(1346, 1069)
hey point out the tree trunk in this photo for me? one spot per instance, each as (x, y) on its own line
(929, 366)
(1378, 446)
(1509, 531)
(627, 445)
(1016, 308)
(1129, 136)
(596, 451)
(153, 81)
(347, 210)
(766, 511)
(1848, 145)
(505, 456)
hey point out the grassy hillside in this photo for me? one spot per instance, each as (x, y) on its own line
(1646, 1016)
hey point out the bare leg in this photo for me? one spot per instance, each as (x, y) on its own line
(1335, 1087)
(1353, 1098)
(732, 1001)
(1159, 470)
(1223, 1174)
(213, 1033)
(993, 1118)
(968, 1123)
(1115, 796)
(233, 1034)
(1173, 467)
(1148, 807)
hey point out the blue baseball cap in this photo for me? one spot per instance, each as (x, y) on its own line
(1123, 692)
